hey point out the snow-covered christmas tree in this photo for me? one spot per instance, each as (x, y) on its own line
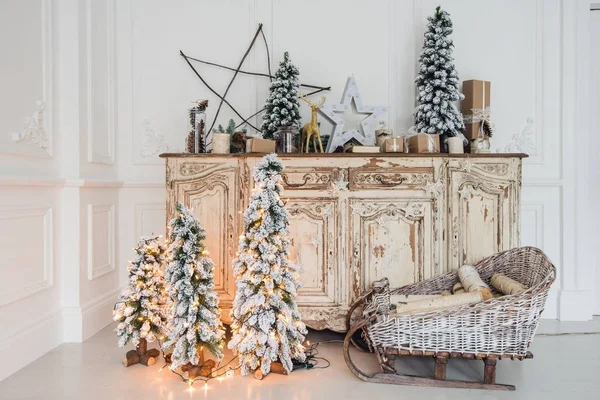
(266, 322)
(437, 82)
(282, 106)
(140, 311)
(194, 320)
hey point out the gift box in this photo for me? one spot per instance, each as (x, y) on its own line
(477, 96)
(393, 145)
(257, 145)
(424, 143)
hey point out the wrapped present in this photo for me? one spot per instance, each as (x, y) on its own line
(257, 145)
(476, 109)
(422, 143)
(393, 145)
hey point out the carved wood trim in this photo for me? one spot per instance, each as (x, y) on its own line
(389, 178)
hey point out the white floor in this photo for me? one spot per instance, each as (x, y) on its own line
(564, 367)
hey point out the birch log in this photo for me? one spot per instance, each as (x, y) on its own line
(439, 303)
(469, 277)
(507, 285)
(458, 288)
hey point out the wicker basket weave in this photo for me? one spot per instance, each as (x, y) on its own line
(500, 326)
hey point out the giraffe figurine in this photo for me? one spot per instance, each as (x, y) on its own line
(311, 130)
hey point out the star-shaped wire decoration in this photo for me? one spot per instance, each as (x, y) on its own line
(339, 137)
(237, 71)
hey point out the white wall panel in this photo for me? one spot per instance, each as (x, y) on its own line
(26, 244)
(100, 88)
(26, 78)
(101, 239)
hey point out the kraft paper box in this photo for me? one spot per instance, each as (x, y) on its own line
(424, 143)
(394, 145)
(256, 145)
(477, 95)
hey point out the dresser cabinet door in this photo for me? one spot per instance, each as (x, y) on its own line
(393, 238)
(313, 230)
(483, 208)
(211, 190)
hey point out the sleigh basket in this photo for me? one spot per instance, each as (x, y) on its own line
(501, 327)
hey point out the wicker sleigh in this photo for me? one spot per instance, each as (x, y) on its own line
(498, 328)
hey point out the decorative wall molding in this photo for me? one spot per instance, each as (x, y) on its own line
(95, 156)
(34, 130)
(521, 142)
(142, 217)
(38, 128)
(94, 242)
(44, 213)
(154, 142)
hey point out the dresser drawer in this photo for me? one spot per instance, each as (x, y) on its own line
(309, 178)
(389, 178)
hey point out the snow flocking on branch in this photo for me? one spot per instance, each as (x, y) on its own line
(140, 311)
(194, 318)
(282, 106)
(437, 81)
(266, 323)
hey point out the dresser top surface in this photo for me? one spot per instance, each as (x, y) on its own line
(347, 155)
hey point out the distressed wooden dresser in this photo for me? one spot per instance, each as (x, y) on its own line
(356, 218)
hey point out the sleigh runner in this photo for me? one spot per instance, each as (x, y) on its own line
(497, 328)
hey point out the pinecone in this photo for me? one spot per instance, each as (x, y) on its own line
(189, 143)
(201, 137)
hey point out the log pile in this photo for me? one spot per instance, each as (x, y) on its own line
(470, 289)
(141, 355)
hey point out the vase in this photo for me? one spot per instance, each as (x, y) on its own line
(221, 143)
(286, 140)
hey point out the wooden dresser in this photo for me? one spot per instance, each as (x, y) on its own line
(356, 218)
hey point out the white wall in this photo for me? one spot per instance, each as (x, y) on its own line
(59, 203)
(116, 93)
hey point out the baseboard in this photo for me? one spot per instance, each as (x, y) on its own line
(30, 343)
(98, 313)
(81, 323)
(576, 305)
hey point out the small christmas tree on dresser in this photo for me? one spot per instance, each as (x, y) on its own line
(437, 82)
(282, 106)
(140, 311)
(193, 321)
(266, 323)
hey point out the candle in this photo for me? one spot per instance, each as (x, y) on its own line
(455, 145)
(221, 143)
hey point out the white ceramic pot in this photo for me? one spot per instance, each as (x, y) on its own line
(455, 145)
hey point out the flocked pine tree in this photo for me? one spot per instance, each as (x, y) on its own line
(193, 319)
(437, 82)
(140, 311)
(282, 106)
(266, 323)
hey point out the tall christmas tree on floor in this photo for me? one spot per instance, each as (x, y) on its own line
(437, 82)
(140, 311)
(194, 322)
(282, 106)
(266, 323)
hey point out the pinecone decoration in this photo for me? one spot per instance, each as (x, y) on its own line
(189, 143)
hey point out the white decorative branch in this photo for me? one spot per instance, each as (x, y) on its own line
(34, 130)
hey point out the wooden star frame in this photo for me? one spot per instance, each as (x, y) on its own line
(237, 71)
